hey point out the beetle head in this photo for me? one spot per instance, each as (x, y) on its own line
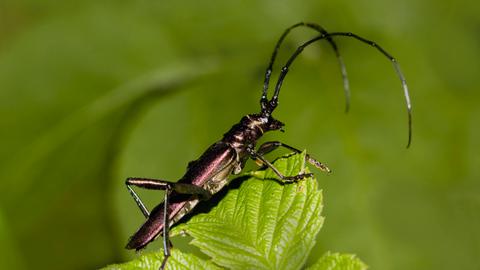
(263, 122)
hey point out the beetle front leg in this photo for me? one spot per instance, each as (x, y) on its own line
(270, 146)
(283, 178)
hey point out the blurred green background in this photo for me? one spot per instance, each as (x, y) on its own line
(92, 92)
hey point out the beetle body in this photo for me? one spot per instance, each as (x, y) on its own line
(210, 171)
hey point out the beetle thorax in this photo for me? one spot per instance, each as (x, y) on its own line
(250, 128)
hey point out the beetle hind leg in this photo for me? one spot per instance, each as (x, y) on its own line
(168, 187)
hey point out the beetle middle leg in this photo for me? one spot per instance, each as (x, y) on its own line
(283, 178)
(268, 147)
(168, 187)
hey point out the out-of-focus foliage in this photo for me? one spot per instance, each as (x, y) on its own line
(92, 92)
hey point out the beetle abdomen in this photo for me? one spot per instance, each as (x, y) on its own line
(153, 226)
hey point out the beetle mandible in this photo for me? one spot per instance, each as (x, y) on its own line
(209, 173)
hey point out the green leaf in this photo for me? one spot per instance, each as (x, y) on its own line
(337, 261)
(177, 260)
(264, 224)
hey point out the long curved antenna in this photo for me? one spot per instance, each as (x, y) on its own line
(274, 100)
(321, 30)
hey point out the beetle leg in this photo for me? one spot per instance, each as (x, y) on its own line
(270, 146)
(283, 178)
(136, 182)
(183, 188)
(166, 245)
(156, 184)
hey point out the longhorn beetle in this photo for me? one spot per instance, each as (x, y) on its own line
(209, 173)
